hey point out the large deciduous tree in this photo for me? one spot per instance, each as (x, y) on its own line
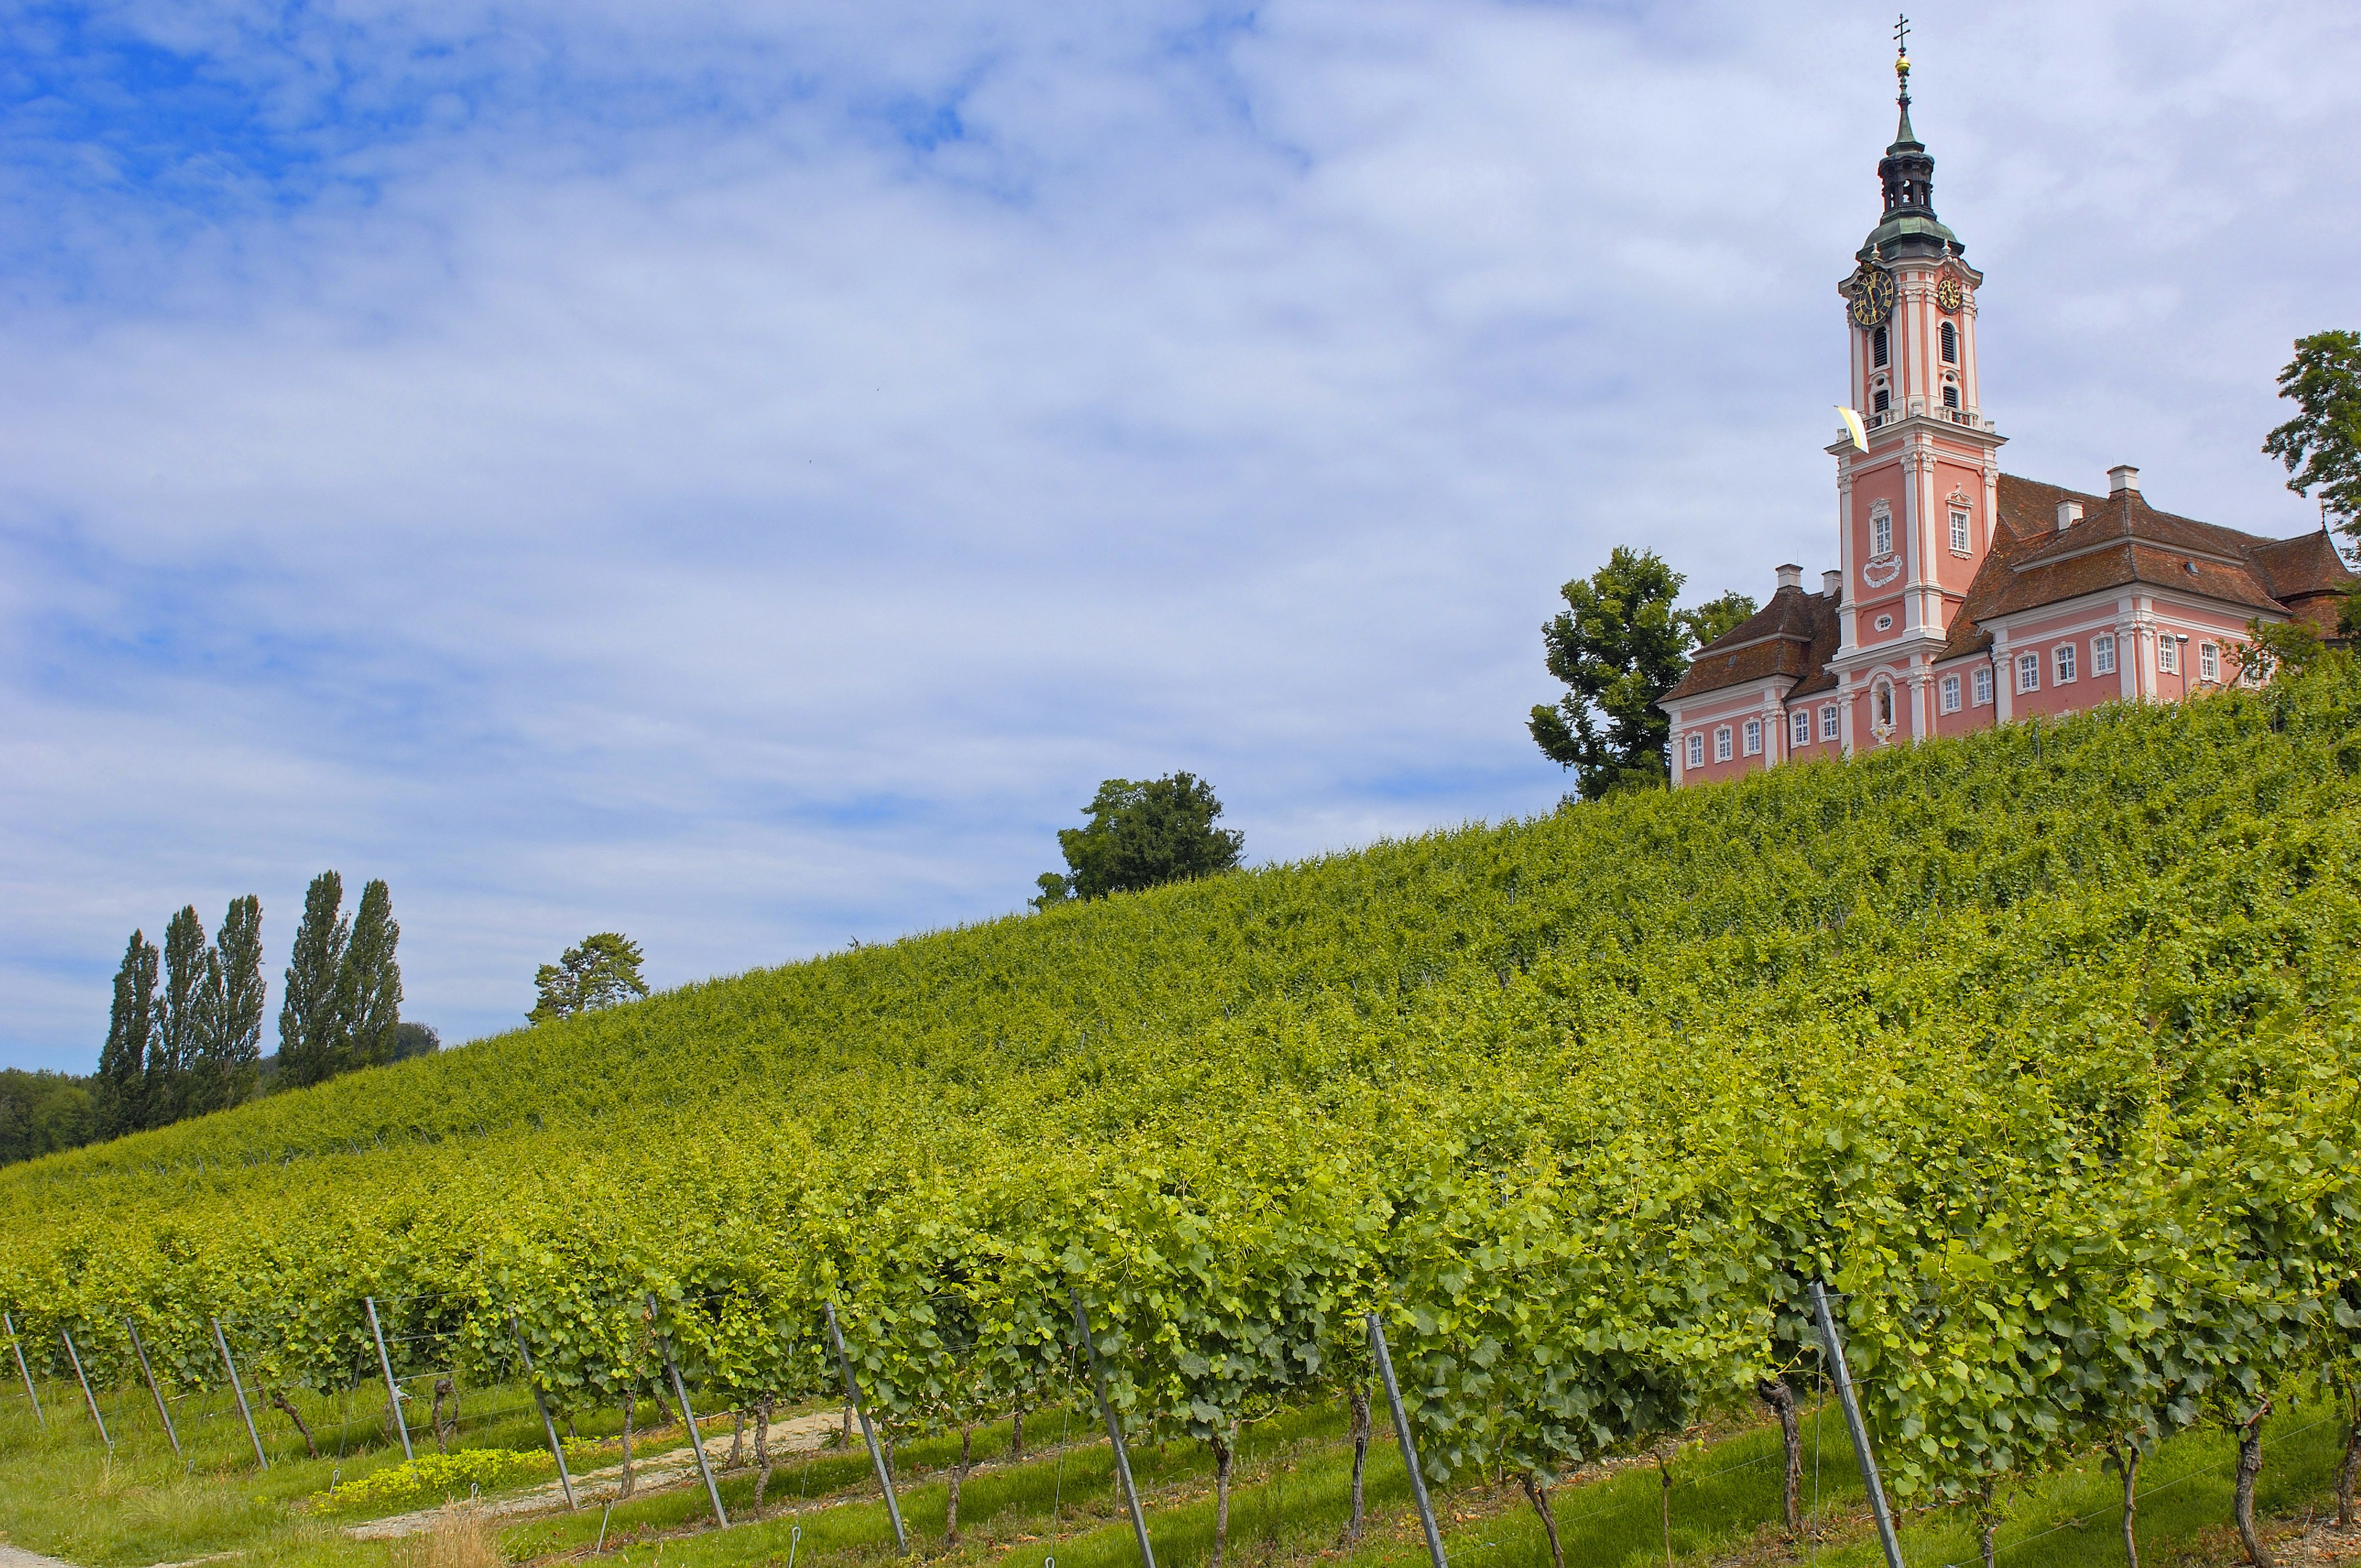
(130, 1028)
(370, 987)
(1142, 835)
(602, 970)
(2322, 444)
(1620, 645)
(312, 1044)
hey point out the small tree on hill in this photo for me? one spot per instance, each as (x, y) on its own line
(1620, 645)
(601, 971)
(1142, 835)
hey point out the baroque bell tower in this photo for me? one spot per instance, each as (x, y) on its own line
(1916, 507)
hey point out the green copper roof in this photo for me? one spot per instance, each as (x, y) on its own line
(1886, 237)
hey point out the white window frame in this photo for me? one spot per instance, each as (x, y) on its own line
(1696, 747)
(1832, 723)
(2067, 674)
(1983, 685)
(2167, 654)
(1753, 737)
(2102, 653)
(1949, 699)
(1721, 743)
(1880, 533)
(1799, 727)
(2029, 671)
(1958, 530)
(2209, 662)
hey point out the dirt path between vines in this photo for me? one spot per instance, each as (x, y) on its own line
(17, 1557)
(677, 1467)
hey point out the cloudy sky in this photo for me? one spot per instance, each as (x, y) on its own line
(742, 474)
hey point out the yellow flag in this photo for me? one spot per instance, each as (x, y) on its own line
(1851, 423)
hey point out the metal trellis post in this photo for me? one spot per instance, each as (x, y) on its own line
(556, 1450)
(22, 1370)
(876, 1454)
(1115, 1434)
(1835, 1348)
(222, 1344)
(1401, 1435)
(392, 1389)
(88, 1398)
(162, 1414)
(688, 1419)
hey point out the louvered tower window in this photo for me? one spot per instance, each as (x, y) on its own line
(1878, 352)
(1950, 344)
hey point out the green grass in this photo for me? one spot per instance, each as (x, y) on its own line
(62, 1495)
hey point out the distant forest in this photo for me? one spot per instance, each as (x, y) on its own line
(43, 1113)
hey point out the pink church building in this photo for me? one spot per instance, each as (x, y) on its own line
(1967, 596)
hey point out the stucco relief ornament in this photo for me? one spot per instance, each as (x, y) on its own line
(1881, 571)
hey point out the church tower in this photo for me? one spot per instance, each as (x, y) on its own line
(1915, 509)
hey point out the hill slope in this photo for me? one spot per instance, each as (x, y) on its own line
(2038, 1043)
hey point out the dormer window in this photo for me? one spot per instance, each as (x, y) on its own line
(1879, 353)
(1950, 344)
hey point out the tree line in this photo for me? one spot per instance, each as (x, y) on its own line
(185, 1032)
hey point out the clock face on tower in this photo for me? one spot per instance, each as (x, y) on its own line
(1947, 294)
(1873, 296)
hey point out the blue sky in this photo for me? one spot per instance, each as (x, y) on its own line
(742, 475)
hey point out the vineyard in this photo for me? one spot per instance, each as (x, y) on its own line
(2039, 1047)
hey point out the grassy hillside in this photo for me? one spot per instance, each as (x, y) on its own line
(2037, 1043)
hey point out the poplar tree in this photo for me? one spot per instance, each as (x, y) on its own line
(228, 1034)
(123, 1063)
(369, 992)
(174, 1048)
(311, 1021)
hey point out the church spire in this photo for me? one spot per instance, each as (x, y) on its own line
(1907, 227)
(1902, 135)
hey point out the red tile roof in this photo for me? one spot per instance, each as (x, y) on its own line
(2120, 540)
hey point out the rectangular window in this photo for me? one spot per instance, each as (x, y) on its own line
(2168, 653)
(1983, 686)
(2065, 664)
(1829, 722)
(2102, 653)
(1753, 737)
(1696, 750)
(1881, 535)
(1958, 533)
(2209, 662)
(1721, 744)
(1951, 694)
(1799, 728)
(2029, 671)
